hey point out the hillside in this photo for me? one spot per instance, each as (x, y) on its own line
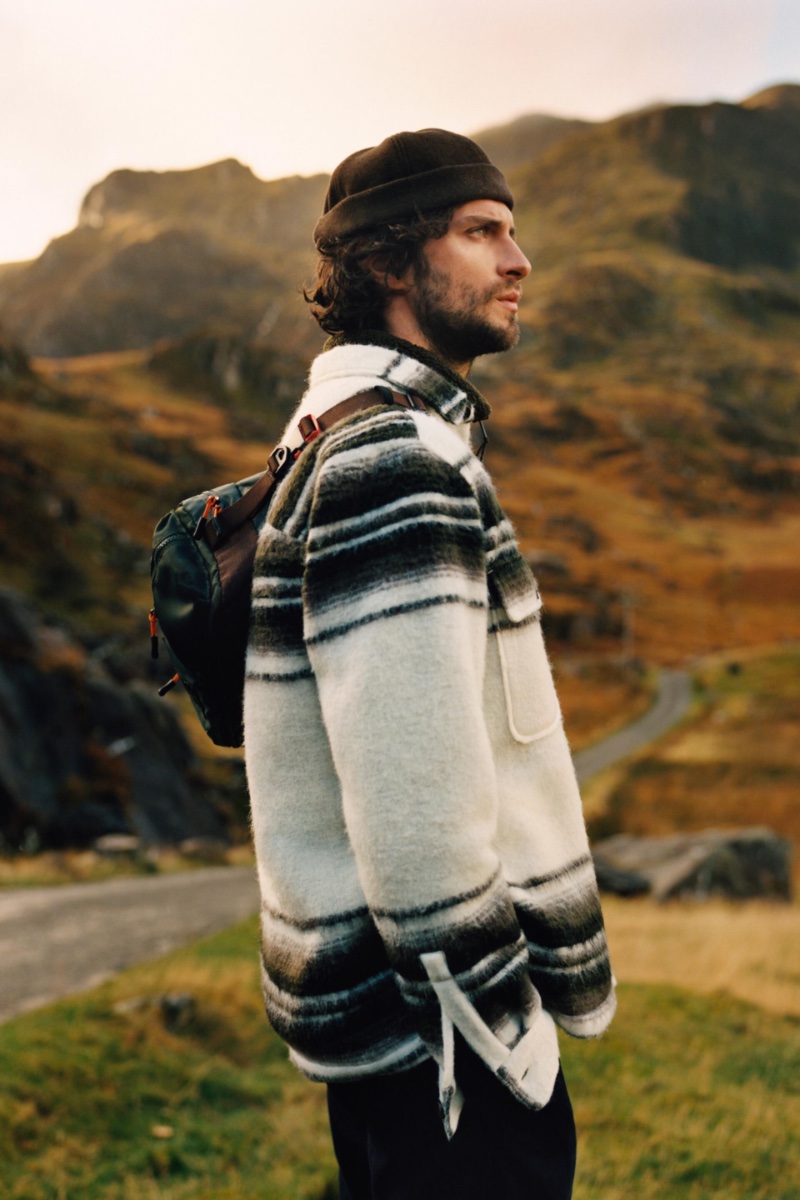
(523, 140)
(648, 428)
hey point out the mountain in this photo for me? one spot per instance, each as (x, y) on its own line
(162, 254)
(645, 434)
(157, 254)
(716, 182)
(665, 247)
(781, 96)
(521, 141)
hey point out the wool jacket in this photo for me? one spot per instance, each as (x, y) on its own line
(421, 849)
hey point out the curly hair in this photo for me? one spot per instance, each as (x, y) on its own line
(351, 287)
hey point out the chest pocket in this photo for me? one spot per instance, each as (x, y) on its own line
(531, 704)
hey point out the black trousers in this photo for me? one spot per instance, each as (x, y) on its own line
(390, 1142)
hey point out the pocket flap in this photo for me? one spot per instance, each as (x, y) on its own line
(515, 588)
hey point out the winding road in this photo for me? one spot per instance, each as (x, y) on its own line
(60, 940)
(671, 704)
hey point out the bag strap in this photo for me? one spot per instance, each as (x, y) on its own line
(225, 521)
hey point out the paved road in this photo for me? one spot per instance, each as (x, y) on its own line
(672, 703)
(59, 940)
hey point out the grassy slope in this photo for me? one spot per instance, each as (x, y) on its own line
(117, 446)
(114, 446)
(90, 1095)
(686, 1097)
(106, 451)
(675, 583)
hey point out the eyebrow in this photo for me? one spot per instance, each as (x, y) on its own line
(478, 218)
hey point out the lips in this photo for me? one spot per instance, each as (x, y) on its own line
(510, 300)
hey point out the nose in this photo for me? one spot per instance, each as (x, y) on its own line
(515, 264)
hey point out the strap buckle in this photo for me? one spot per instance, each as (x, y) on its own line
(309, 428)
(278, 461)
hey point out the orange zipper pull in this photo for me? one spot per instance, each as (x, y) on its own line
(169, 685)
(212, 508)
(153, 634)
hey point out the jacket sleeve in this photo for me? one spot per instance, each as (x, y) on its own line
(395, 616)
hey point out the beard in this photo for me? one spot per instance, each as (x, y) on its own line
(454, 320)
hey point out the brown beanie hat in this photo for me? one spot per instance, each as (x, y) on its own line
(407, 173)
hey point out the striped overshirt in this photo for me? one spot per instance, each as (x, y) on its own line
(421, 849)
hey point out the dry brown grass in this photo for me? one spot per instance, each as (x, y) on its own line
(53, 867)
(123, 380)
(750, 951)
(693, 575)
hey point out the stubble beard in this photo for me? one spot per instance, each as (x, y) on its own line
(453, 320)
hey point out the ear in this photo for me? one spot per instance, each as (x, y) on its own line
(400, 284)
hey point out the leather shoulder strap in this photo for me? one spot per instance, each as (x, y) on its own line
(346, 408)
(229, 519)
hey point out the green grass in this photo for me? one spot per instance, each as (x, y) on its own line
(87, 1093)
(687, 1097)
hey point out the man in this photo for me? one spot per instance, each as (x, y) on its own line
(430, 911)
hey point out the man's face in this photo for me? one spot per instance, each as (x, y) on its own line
(465, 298)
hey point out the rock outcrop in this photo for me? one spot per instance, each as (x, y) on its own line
(81, 755)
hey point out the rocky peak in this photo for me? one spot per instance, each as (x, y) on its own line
(779, 96)
(159, 193)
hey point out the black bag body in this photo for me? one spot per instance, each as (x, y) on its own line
(201, 596)
(202, 573)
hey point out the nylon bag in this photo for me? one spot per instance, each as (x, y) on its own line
(201, 570)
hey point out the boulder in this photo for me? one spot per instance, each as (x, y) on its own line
(118, 845)
(738, 864)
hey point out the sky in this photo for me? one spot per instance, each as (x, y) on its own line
(293, 86)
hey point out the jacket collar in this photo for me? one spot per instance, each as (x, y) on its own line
(406, 367)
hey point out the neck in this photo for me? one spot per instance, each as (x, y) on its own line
(400, 322)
